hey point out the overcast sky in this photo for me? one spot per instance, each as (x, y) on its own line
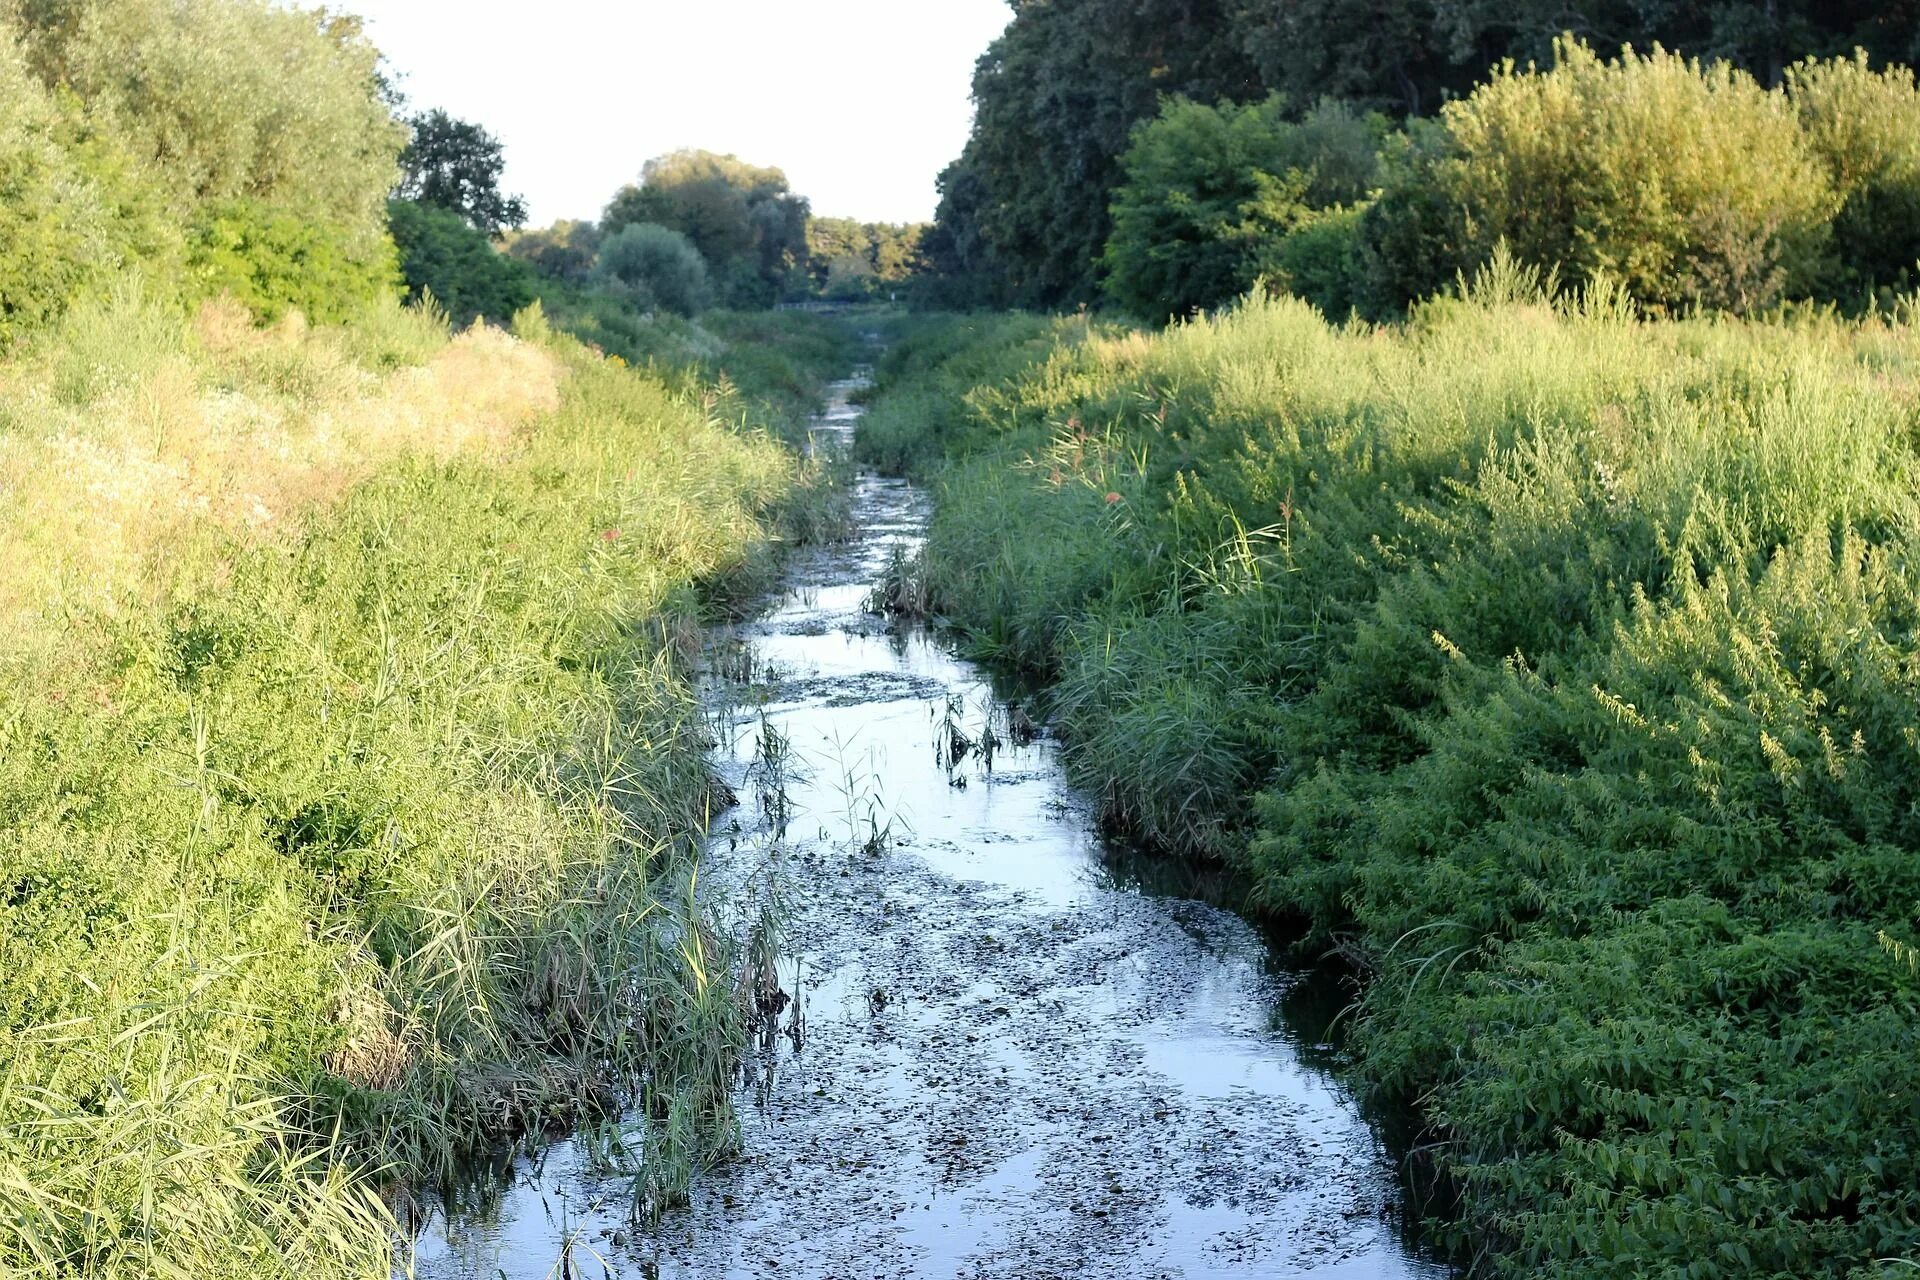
(862, 102)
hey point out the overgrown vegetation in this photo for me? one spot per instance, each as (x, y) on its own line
(1555, 664)
(1139, 150)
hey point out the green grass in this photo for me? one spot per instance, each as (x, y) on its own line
(331, 849)
(1560, 668)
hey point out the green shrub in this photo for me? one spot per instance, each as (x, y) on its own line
(441, 255)
(53, 227)
(1320, 260)
(1210, 190)
(652, 266)
(271, 260)
(1864, 126)
(1689, 184)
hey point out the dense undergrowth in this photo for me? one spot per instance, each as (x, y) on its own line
(348, 762)
(1558, 665)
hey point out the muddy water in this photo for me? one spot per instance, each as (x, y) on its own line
(1011, 1060)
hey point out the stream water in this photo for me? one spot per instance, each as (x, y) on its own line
(1017, 1058)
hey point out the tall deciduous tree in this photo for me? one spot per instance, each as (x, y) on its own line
(744, 220)
(455, 165)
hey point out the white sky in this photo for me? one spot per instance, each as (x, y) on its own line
(862, 102)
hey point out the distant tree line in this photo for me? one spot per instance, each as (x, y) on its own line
(1088, 112)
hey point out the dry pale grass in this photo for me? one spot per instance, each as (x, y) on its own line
(245, 428)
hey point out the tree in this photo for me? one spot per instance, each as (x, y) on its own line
(652, 265)
(1689, 184)
(220, 124)
(455, 165)
(565, 251)
(442, 255)
(744, 221)
(1210, 191)
(1055, 98)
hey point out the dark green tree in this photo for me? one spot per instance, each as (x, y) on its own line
(653, 266)
(1210, 191)
(746, 223)
(441, 255)
(456, 165)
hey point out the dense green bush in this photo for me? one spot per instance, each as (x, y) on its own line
(651, 266)
(271, 259)
(442, 256)
(1864, 126)
(1209, 191)
(750, 229)
(1689, 184)
(563, 252)
(1558, 667)
(53, 238)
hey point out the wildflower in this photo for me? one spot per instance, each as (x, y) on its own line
(1112, 498)
(608, 535)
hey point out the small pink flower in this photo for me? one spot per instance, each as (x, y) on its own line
(608, 535)
(1112, 498)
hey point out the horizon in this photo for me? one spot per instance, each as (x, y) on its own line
(867, 144)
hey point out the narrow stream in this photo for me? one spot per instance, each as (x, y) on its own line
(1016, 1060)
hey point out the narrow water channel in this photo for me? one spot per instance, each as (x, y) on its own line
(1013, 1059)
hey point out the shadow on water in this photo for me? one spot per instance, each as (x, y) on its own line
(1001, 1047)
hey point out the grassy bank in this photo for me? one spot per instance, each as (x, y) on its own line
(347, 765)
(1558, 666)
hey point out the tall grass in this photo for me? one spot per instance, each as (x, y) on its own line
(1557, 665)
(348, 773)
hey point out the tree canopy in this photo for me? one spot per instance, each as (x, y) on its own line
(455, 165)
(743, 219)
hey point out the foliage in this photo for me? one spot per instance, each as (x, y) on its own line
(223, 100)
(848, 260)
(1689, 185)
(443, 257)
(1865, 129)
(455, 164)
(1556, 665)
(563, 252)
(746, 224)
(651, 265)
(203, 145)
(1209, 191)
(346, 766)
(1320, 261)
(1023, 211)
(1024, 208)
(53, 226)
(270, 260)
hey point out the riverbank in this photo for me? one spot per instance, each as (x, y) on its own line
(349, 766)
(1554, 666)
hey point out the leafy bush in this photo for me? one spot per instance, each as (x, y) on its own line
(53, 241)
(562, 252)
(1320, 260)
(653, 266)
(237, 141)
(271, 259)
(1864, 126)
(1209, 190)
(1689, 184)
(442, 256)
(746, 224)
